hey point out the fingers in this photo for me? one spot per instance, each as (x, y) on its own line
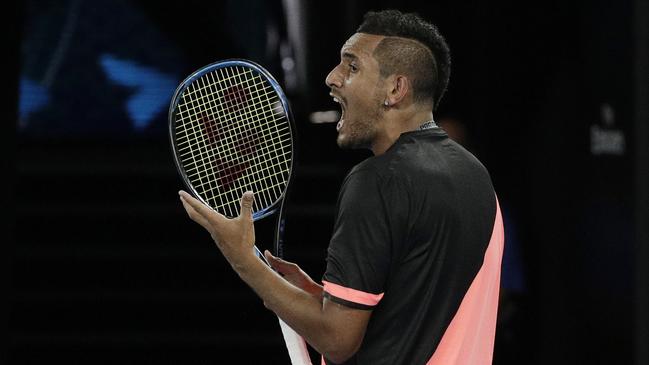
(275, 262)
(247, 199)
(199, 207)
(208, 214)
(193, 214)
(203, 210)
(278, 264)
(272, 260)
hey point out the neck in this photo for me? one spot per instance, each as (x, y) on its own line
(396, 122)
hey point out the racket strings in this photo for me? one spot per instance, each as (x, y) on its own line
(185, 147)
(206, 112)
(285, 133)
(233, 135)
(267, 171)
(230, 166)
(265, 149)
(192, 170)
(225, 122)
(278, 183)
(246, 113)
(200, 104)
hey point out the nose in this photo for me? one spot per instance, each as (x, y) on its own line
(334, 78)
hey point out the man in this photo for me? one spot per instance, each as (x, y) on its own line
(413, 266)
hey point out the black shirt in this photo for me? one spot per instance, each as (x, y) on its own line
(410, 237)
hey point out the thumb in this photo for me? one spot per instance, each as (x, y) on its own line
(272, 260)
(247, 199)
(275, 262)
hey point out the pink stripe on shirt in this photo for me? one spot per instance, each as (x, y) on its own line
(351, 295)
(469, 338)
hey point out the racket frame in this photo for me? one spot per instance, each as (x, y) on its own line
(278, 203)
(296, 346)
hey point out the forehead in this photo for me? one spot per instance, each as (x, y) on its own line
(360, 45)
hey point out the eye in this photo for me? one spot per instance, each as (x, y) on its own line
(353, 67)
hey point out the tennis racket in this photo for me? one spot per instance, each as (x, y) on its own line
(231, 130)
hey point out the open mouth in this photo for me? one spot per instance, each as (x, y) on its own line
(340, 102)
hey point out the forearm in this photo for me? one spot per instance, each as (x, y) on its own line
(300, 309)
(326, 327)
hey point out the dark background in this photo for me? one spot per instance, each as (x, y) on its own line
(101, 265)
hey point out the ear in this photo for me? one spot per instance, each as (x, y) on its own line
(398, 88)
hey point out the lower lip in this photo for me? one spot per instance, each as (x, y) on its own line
(341, 122)
(339, 125)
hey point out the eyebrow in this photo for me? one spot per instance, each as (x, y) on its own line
(347, 54)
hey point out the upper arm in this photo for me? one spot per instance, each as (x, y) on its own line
(358, 261)
(347, 327)
(360, 250)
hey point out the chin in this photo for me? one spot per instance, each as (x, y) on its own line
(356, 134)
(343, 142)
(349, 143)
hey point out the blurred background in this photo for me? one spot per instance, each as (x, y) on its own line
(100, 264)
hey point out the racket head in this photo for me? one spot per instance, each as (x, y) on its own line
(234, 120)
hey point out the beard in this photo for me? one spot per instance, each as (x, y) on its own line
(358, 134)
(360, 126)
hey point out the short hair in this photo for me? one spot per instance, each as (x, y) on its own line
(413, 47)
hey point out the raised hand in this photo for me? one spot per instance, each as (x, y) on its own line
(234, 237)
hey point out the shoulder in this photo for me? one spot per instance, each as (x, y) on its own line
(382, 167)
(373, 186)
(372, 174)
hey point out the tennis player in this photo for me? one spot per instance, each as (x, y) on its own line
(413, 266)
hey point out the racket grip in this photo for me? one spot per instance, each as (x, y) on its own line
(295, 345)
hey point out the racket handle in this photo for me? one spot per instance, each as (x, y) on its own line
(295, 345)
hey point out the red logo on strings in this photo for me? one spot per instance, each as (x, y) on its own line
(233, 164)
(235, 97)
(210, 128)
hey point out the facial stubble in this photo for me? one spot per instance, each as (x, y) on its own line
(361, 130)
